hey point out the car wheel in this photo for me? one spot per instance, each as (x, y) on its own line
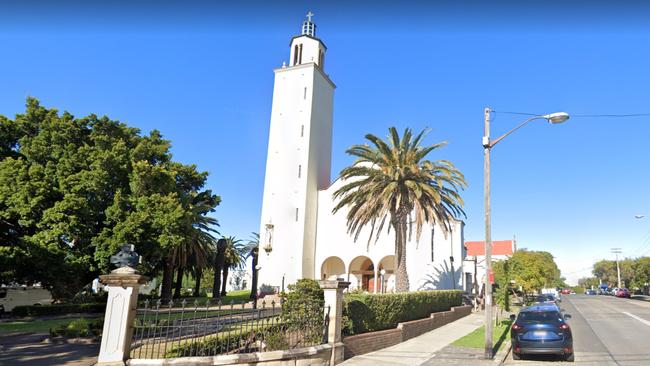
(570, 357)
(516, 356)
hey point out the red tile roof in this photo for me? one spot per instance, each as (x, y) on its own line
(499, 247)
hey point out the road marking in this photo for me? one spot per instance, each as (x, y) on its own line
(637, 318)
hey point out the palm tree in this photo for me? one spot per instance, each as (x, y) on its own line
(234, 257)
(198, 243)
(391, 181)
(252, 251)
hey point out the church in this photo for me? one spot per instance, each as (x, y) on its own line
(300, 237)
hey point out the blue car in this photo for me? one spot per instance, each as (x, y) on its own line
(541, 329)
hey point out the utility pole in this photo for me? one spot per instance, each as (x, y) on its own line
(488, 237)
(617, 251)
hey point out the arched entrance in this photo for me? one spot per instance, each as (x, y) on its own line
(387, 274)
(332, 266)
(363, 270)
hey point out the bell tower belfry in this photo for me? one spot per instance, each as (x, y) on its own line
(298, 161)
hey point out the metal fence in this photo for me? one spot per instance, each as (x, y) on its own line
(182, 329)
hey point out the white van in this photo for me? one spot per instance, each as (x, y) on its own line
(11, 297)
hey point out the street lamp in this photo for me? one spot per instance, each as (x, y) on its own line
(553, 118)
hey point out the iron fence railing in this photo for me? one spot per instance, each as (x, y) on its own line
(182, 329)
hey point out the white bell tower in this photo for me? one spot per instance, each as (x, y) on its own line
(298, 161)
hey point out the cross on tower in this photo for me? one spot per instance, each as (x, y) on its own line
(309, 15)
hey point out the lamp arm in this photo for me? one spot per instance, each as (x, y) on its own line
(492, 143)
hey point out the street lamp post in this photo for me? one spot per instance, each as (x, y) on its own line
(487, 147)
(617, 251)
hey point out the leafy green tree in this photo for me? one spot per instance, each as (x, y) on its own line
(532, 270)
(641, 267)
(588, 282)
(391, 183)
(74, 190)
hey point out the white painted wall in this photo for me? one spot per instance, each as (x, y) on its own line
(298, 164)
(333, 240)
(301, 136)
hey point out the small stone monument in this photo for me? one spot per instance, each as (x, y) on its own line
(122, 284)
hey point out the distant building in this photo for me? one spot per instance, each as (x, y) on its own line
(300, 237)
(474, 263)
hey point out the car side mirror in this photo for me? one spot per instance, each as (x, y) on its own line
(513, 317)
(567, 316)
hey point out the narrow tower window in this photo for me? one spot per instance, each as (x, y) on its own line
(304, 94)
(302, 130)
(432, 231)
(296, 213)
(300, 54)
(295, 54)
(299, 170)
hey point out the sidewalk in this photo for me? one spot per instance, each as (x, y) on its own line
(418, 350)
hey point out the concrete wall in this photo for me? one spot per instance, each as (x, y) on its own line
(369, 342)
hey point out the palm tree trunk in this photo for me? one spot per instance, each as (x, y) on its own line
(401, 274)
(179, 282)
(168, 277)
(254, 278)
(197, 281)
(216, 285)
(225, 280)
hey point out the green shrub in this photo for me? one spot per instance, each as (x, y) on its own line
(79, 328)
(371, 312)
(58, 309)
(223, 343)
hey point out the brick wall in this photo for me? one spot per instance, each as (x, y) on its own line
(369, 342)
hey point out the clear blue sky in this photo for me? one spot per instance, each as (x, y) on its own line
(202, 74)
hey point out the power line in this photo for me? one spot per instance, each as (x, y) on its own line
(581, 115)
(611, 115)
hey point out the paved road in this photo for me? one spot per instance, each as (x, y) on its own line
(606, 331)
(30, 350)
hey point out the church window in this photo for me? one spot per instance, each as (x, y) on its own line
(299, 170)
(296, 213)
(300, 54)
(302, 130)
(304, 94)
(295, 54)
(432, 231)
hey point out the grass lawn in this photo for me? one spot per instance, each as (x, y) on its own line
(476, 339)
(238, 296)
(34, 326)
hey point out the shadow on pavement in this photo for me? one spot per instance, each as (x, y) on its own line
(30, 350)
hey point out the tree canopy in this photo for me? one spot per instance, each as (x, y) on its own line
(73, 190)
(532, 270)
(392, 185)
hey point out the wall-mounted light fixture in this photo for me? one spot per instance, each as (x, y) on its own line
(268, 238)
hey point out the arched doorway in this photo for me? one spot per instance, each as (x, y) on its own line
(332, 266)
(363, 269)
(387, 274)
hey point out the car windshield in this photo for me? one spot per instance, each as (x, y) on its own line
(540, 317)
(543, 298)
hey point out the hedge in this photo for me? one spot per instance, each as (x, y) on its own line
(58, 309)
(364, 313)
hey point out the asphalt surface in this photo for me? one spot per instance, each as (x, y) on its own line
(606, 331)
(29, 349)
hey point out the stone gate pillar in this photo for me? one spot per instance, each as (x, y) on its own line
(333, 293)
(123, 284)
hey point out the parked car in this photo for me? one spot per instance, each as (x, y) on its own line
(10, 297)
(622, 292)
(541, 329)
(547, 299)
(566, 291)
(590, 292)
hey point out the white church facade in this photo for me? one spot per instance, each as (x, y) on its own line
(300, 237)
